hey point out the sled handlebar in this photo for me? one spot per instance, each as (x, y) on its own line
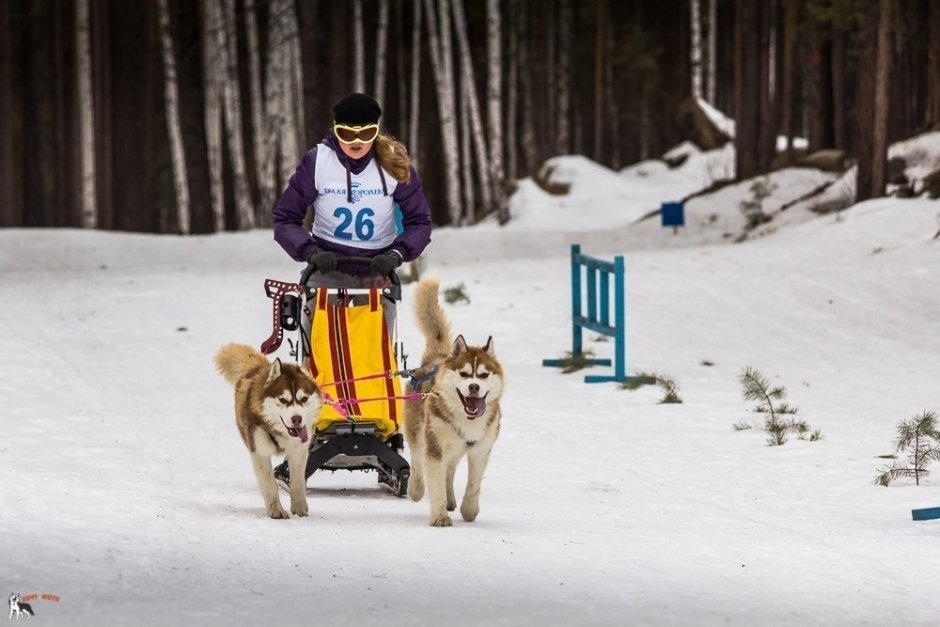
(341, 259)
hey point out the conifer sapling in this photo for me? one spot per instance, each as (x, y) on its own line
(920, 438)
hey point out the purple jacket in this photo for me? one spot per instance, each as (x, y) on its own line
(290, 210)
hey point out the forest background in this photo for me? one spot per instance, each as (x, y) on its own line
(189, 116)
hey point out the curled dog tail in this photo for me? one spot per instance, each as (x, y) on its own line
(234, 360)
(431, 320)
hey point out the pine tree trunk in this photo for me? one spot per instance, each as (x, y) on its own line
(442, 67)
(10, 122)
(178, 155)
(473, 103)
(415, 116)
(766, 131)
(865, 107)
(695, 11)
(400, 73)
(613, 114)
(189, 29)
(258, 122)
(381, 53)
(359, 49)
(882, 101)
(712, 48)
(746, 88)
(566, 18)
(512, 136)
(932, 110)
(791, 8)
(838, 99)
(86, 106)
(312, 33)
(494, 108)
(599, 46)
(528, 106)
(102, 97)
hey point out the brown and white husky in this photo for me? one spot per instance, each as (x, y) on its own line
(276, 406)
(459, 417)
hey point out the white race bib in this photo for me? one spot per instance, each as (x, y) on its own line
(366, 222)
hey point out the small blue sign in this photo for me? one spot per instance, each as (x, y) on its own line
(673, 214)
(928, 513)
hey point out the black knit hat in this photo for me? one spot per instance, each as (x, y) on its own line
(357, 110)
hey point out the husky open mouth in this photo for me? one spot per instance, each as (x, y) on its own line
(473, 406)
(297, 432)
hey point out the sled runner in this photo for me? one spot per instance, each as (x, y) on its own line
(353, 355)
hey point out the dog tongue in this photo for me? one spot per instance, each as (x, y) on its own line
(299, 432)
(474, 406)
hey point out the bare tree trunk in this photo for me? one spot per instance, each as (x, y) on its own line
(212, 55)
(465, 155)
(359, 48)
(932, 110)
(292, 142)
(476, 119)
(442, 66)
(563, 146)
(695, 50)
(175, 130)
(86, 104)
(381, 53)
(227, 44)
(415, 82)
(882, 101)
(494, 106)
(712, 47)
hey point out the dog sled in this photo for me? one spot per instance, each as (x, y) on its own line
(354, 356)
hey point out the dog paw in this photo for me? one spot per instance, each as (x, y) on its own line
(300, 509)
(441, 521)
(277, 512)
(469, 511)
(416, 491)
(451, 506)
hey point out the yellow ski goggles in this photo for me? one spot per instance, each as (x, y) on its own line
(352, 134)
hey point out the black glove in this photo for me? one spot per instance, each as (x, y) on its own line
(383, 264)
(322, 260)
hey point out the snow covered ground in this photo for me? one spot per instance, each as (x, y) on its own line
(127, 493)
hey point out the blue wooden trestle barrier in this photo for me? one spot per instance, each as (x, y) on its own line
(597, 316)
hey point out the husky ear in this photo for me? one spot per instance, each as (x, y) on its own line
(489, 346)
(460, 346)
(275, 371)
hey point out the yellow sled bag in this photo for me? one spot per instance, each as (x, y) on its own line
(348, 343)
